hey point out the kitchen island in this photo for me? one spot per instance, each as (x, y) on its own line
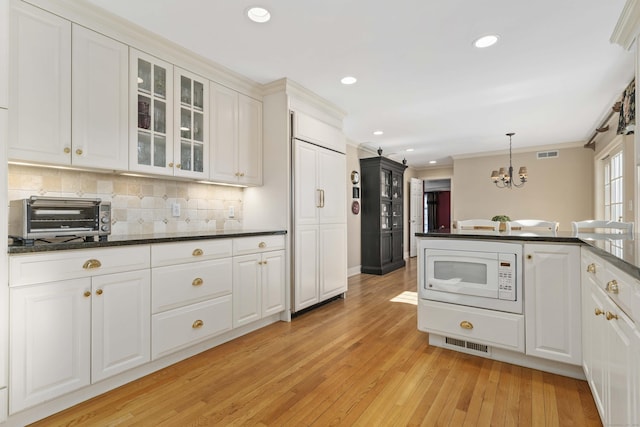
(559, 303)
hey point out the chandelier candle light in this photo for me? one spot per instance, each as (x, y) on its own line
(503, 178)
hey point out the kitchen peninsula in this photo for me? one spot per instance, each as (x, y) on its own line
(559, 303)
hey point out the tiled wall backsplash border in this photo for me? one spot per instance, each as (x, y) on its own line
(140, 205)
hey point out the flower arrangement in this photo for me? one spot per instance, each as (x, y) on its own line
(501, 218)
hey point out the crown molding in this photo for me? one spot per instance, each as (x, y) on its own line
(628, 26)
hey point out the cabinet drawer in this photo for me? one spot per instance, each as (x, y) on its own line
(194, 251)
(185, 326)
(593, 266)
(53, 266)
(175, 286)
(627, 296)
(495, 328)
(255, 244)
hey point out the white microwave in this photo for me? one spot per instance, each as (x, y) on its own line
(485, 274)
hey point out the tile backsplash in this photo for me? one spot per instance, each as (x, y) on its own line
(140, 205)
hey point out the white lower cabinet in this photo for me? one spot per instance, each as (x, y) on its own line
(68, 334)
(552, 302)
(611, 341)
(72, 324)
(258, 286)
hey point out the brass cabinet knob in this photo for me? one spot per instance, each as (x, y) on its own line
(612, 286)
(197, 324)
(598, 312)
(67, 150)
(91, 263)
(610, 315)
(529, 256)
(466, 325)
(197, 252)
(591, 268)
(79, 152)
(171, 164)
(241, 173)
(197, 281)
(262, 245)
(179, 165)
(99, 292)
(87, 294)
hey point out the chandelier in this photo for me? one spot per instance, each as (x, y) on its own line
(504, 178)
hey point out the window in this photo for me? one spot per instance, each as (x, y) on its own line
(613, 186)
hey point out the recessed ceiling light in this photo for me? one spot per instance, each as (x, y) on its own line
(378, 132)
(258, 14)
(486, 41)
(349, 80)
(433, 162)
(409, 149)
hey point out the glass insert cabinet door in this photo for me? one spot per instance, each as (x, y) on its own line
(192, 131)
(151, 114)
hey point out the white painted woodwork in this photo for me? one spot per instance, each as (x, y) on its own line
(312, 130)
(247, 293)
(320, 210)
(4, 65)
(307, 268)
(175, 329)
(495, 328)
(186, 169)
(224, 133)
(100, 93)
(249, 140)
(332, 260)
(4, 404)
(611, 342)
(416, 214)
(236, 137)
(50, 341)
(26, 269)
(552, 302)
(179, 285)
(194, 251)
(254, 244)
(40, 90)
(273, 282)
(4, 258)
(120, 323)
(159, 168)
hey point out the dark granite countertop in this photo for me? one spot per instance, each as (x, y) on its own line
(621, 250)
(141, 239)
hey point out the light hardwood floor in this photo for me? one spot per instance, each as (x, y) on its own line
(357, 361)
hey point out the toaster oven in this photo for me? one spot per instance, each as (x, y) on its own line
(51, 217)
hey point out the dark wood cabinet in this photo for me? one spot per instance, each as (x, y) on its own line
(382, 184)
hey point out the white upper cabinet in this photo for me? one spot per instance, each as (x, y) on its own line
(191, 152)
(236, 137)
(57, 119)
(4, 53)
(151, 114)
(40, 88)
(100, 90)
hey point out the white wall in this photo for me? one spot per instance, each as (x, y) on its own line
(559, 189)
(353, 220)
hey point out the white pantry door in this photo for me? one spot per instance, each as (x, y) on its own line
(415, 214)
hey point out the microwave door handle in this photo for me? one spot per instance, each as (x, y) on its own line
(443, 285)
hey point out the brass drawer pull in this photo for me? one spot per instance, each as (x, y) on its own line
(610, 315)
(612, 286)
(67, 150)
(197, 281)
(197, 324)
(87, 294)
(197, 252)
(466, 325)
(79, 152)
(591, 268)
(262, 245)
(598, 312)
(92, 263)
(99, 292)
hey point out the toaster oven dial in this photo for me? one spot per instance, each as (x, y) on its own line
(104, 228)
(104, 220)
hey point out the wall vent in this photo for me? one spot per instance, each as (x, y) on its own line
(468, 345)
(547, 154)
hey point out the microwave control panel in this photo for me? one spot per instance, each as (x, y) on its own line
(506, 277)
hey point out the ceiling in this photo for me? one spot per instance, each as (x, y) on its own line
(552, 77)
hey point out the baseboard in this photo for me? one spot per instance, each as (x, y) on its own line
(353, 271)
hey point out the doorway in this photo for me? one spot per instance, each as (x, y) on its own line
(437, 205)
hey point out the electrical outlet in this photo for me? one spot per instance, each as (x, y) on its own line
(175, 209)
(232, 212)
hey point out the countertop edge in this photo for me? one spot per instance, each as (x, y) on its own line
(140, 240)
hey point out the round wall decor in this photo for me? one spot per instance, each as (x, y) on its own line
(355, 207)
